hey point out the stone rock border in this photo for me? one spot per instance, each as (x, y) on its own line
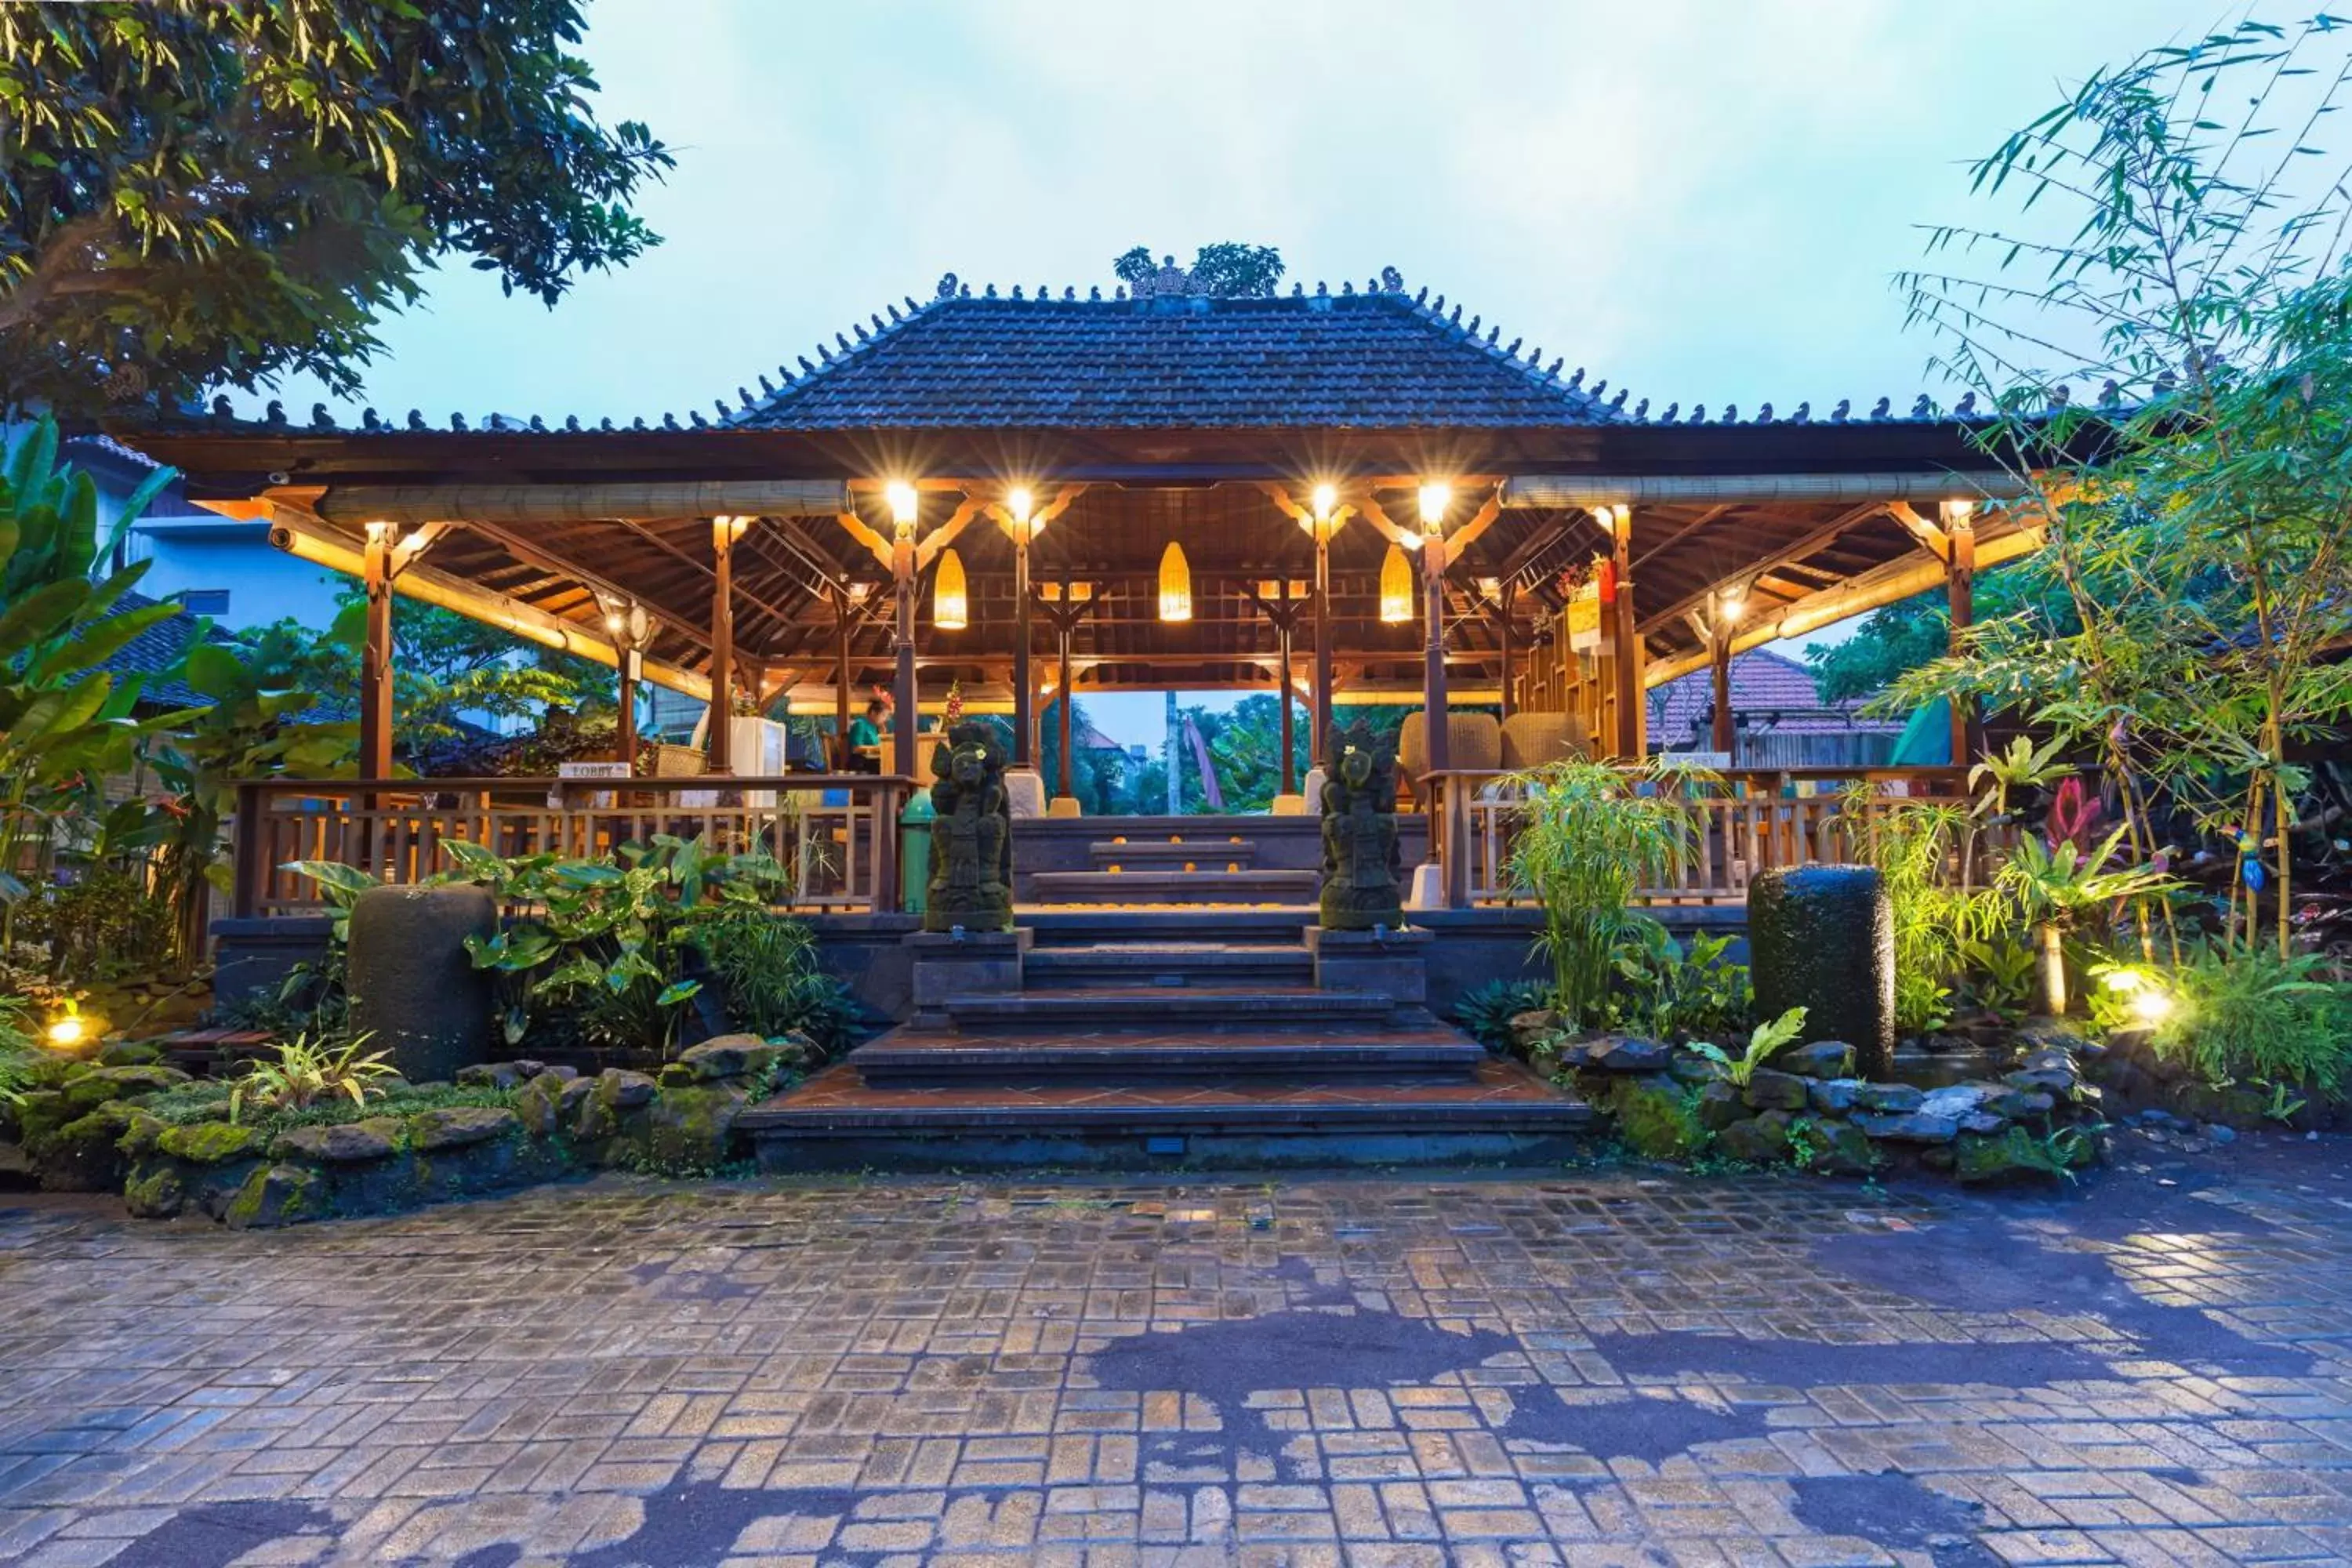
(91, 1135)
(2038, 1121)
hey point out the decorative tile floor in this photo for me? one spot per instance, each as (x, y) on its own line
(1605, 1367)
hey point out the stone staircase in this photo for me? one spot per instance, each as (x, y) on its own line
(1167, 1039)
(1197, 868)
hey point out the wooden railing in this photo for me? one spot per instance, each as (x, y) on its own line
(834, 834)
(1759, 822)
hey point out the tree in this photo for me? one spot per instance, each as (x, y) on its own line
(1228, 269)
(444, 668)
(2200, 515)
(1895, 639)
(198, 194)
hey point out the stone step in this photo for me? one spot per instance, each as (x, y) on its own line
(914, 1057)
(1053, 928)
(1166, 964)
(1186, 1009)
(1207, 853)
(1290, 888)
(1500, 1115)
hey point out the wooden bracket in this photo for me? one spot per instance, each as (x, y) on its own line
(875, 544)
(940, 538)
(413, 544)
(1935, 540)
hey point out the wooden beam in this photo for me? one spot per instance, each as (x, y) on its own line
(523, 549)
(1934, 539)
(1685, 530)
(376, 655)
(719, 734)
(1796, 550)
(940, 538)
(1462, 538)
(1628, 640)
(873, 543)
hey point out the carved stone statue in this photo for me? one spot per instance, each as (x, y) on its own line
(1361, 876)
(971, 836)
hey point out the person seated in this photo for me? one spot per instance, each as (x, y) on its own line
(866, 739)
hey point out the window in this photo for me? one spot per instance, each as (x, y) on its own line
(205, 601)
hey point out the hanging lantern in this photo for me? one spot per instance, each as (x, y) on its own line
(1396, 587)
(948, 610)
(1175, 585)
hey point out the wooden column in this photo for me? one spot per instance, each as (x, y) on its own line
(902, 647)
(844, 759)
(1627, 641)
(375, 656)
(1065, 631)
(1282, 637)
(1719, 657)
(1503, 641)
(625, 732)
(1320, 714)
(1960, 586)
(718, 739)
(1024, 700)
(1432, 670)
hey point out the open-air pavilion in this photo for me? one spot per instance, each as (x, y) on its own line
(1355, 496)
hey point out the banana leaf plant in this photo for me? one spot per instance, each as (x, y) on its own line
(2052, 886)
(609, 945)
(65, 721)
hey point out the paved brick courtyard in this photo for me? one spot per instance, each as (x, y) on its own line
(1605, 1367)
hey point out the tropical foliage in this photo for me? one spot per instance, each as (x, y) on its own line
(66, 722)
(196, 194)
(307, 1071)
(1762, 1040)
(2179, 245)
(1590, 836)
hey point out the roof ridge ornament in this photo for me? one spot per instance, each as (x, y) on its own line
(947, 287)
(1391, 280)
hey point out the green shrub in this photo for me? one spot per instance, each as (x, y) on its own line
(767, 964)
(2245, 1015)
(1671, 993)
(1593, 836)
(1762, 1041)
(1485, 1014)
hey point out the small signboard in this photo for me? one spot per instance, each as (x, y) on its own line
(1584, 619)
(597, 800)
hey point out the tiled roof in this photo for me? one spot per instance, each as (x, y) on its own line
(1378, 360)
(154, 651)
(1769, 689)
(1374, 358)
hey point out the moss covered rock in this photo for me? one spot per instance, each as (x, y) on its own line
(97, 1087)
(84, 1155)
(154, 1190)
(1759, 1141)
(2017, 1155)
(460, 1126)
(1656, 1116)
(692, 1128)
(727, 1057)
(347, 1144)
(278, 1194)
(209, 1143)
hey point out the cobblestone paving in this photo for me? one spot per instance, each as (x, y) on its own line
(1605, 1367)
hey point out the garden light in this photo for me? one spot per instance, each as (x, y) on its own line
(903, 503)
(1326, 500)
(2152, 1004)
(69, 1032)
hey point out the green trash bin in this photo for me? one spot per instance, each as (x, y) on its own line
(915, 851)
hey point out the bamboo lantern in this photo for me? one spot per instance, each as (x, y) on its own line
(1175, 585)
(1396, 587)
(949, 607)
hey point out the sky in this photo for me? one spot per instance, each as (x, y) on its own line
(1701, 202)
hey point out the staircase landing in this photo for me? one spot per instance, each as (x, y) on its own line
(1168, 1040)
